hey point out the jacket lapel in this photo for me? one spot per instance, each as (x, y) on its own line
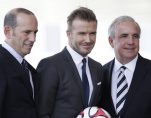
(72, 67)
(94, 81)
(137, 79)
(94, 77)
(109, 82)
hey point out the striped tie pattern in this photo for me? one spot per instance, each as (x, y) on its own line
(122, 88)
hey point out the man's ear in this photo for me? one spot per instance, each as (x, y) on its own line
(111, 41)
(8, 31)
(68, 33)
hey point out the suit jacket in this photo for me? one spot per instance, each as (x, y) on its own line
(138, 100)
(61, 93)
(16, 99)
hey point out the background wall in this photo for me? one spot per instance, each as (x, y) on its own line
(52, 14)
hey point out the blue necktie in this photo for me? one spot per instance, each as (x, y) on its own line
(85, 83)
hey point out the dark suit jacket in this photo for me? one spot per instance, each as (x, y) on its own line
(16, 99)
(61, 94)
(138, 101)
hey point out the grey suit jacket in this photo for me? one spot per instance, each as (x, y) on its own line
(138, 100)
(16, 99)
(61, 93)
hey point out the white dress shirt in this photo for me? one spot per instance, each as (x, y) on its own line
(130, 67)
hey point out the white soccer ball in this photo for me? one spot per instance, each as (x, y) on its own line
(94, 112)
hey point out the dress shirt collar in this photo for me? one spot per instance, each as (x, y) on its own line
(130, 66)
(13, 52)
(77, 58)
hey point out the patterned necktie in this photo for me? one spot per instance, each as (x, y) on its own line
(122, 88)
(85, 83)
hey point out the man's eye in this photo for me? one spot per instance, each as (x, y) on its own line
(136, 36)
(81, 33)
(93, 33)
(27, 32)
(124, 35)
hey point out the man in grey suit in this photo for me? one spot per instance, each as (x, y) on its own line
(128, 94)
(18, 83)
(62, 94)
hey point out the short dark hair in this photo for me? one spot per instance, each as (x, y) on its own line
(10, 17)
(82, 13)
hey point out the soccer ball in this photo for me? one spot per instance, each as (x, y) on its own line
(94, 112)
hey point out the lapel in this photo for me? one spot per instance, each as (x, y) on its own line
(109, 81)
(72, 67)
(13, 67)
(137, 79)
(94, 77)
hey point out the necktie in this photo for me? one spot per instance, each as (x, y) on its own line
(26, 70)
(85, 83)
(25, 66)
(122, 88)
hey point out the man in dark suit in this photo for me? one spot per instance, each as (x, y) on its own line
(133, 85)
(61, 85)
(18, 86)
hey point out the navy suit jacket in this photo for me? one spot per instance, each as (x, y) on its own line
(61, 93)
(16, 99)
(138, 100)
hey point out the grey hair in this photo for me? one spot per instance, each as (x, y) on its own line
(112, 28)
(10, 17)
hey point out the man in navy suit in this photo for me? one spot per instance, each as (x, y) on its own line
(18, 84)
(61, 90)
(124, 35)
